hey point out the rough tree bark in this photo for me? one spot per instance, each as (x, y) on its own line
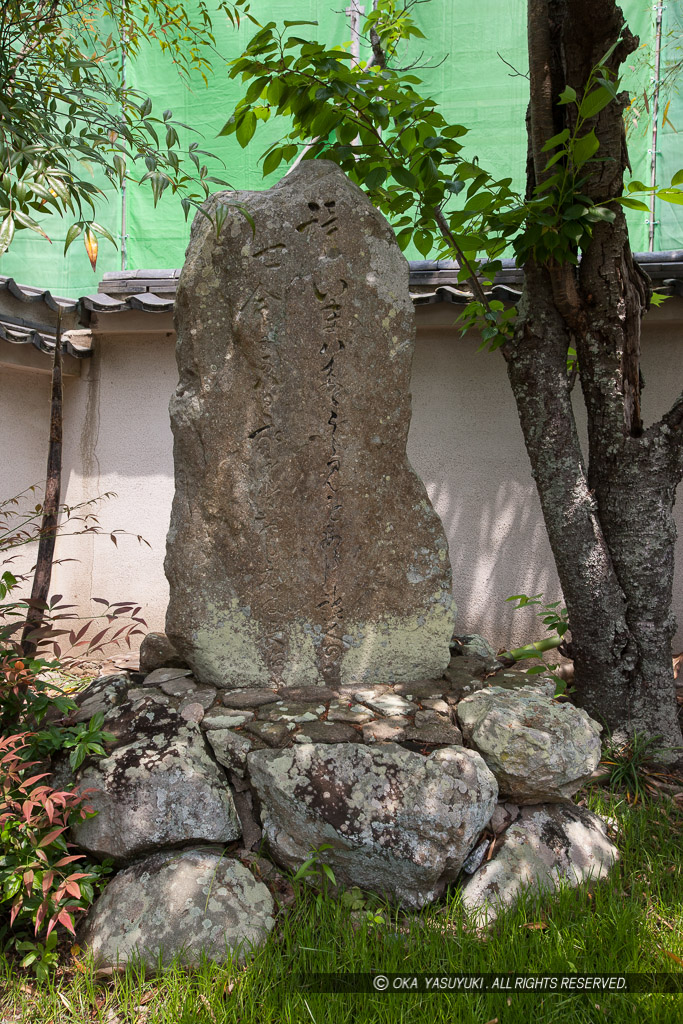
(610, 523)
(48, 529)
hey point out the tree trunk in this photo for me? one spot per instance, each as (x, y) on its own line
(48, 529)
(611, 523)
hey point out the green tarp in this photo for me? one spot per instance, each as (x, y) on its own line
(473, 61)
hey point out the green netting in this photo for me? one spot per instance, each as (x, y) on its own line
(463, 65)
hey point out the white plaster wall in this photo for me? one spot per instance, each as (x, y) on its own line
(465, 442)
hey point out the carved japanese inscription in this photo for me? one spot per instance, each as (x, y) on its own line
(303, 547)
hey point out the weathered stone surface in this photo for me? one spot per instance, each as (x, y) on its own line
(204, 696)
(101, 695)
(538, 749)
(192, 713)
(158, 787)
(385, 730)
(179, 903)
(435, 733)
(503, 816)
(226, 719)
(166, 675)
(231, 748)
(398, 823)
(249, 699)
(307, 694)
(327, 732)
(275, 734)
(340, 711)
(388, 704)
(291, 712)
(439, 705)
(474, 643)
(423, 688)
(545, 846)
(157, 651)
(302, 548)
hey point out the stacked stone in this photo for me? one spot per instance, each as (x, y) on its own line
(408, 783)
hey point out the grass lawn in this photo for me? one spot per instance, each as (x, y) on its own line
(631, 923)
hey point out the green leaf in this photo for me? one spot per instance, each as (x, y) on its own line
(671, 195)
(568, 95)
(584, 148)
(597, 213)
(272, 160)
(594, 102)
(374, 178)
(637, 186)
(403, 176)
(72, 234)
(556, 140)
(633, 204)
(246, 128)
(677, 178)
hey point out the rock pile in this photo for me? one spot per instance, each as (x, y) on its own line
(407, 783)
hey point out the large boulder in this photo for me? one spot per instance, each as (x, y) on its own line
(398, 823)
(538, 749)
(179, 903)
(302, 547)
(158, 786)
(547, 846)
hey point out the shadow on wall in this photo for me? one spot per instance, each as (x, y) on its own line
(466, 443)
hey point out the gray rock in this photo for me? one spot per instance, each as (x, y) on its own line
(161, 788)
(157, 651)
(503, 815)
(192, 713)
(178, 903)
(226, 719)
(278, 383)
(327, 732)
(398, 823)
(435, 733)
(460, 666)
(275, 734)
(473, 643)
(203, 695)
(103, 694)
(439, 705)
(511, 680)
(546, 846)
(179, 687)
(388, 704)
(340, 711)
(231, 748)
(540, 751)
(422, 688)
(247, 699)
(385, 730)
(474, 860)
(165, 675)
(307, 694)
(291, 712)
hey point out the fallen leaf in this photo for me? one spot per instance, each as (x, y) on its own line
(535, 925)
(678, 959)
(65, 1002)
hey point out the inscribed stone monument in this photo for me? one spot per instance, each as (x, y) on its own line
(303, 548)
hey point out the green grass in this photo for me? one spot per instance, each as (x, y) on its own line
(631, 923)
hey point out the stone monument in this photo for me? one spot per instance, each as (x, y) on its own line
(303, 548)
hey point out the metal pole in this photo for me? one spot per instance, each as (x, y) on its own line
(655, 113)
